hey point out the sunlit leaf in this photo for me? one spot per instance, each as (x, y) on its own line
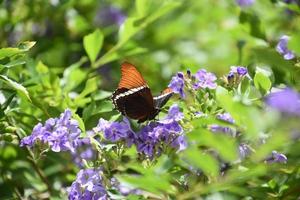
(202, 160)
(151, 183)
(142, 7)
(18, 87)
(261, 81)
(92, 44)
(10, 51)
(294, 43)
(25, 46)
(226, 146)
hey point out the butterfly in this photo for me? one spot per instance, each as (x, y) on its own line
(133, 97)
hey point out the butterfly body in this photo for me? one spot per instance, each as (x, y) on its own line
(133, 97)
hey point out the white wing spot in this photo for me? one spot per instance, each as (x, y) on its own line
(131, 91)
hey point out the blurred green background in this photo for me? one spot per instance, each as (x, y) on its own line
(194, 34)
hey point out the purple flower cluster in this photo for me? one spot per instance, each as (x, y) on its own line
(88, 186)
(83, 151)
(286, 101)
(168, 131)
(202, 79)
(276, 158)
(244, 3)
(239, 70)
(244, 150)
(283, 49)
(235, 75)
(151, 138)
(205, 79)
(61, 134)
(225, 117)
(116, 131)
(177, 84)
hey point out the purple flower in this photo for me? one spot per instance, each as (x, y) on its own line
(230, 77)
(224, 129)
(147, 143)
(292, 1)
(167, 132)
(276, 158)
(177, 84)
(174, 114)
(61, 134)
(116, 131)
(283, 49)
(239, 70)
(286, 101)
(244, 150)
(205, 79)
(218, 128)
(236, 75)
(180, 143)
(109, 15)
(84, 151)
(113, 131)
(225, 117)
(243, 3)
(88, 185)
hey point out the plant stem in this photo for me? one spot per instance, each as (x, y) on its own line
(38, 170)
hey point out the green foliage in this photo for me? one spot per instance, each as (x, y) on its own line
(294, 43)
(66, 54)
(262, 81)
(92, 44)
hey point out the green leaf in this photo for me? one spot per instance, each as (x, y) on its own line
(272, 184)
(74, 76)
(14, 63)
(22, 91)
(88, 111)
(203, 161)
(90, 86)
(121, 53)
(103, 95)
(256, 28)
(275, 142)
(262, 82)
(294, 43)
(248, 118)
(273, 58)
(225, 145)
(142, 7)
(128, 29)
(11, 51)
(25, 46)
(8, 52)
(80, 122)
(149, 182)
(132, 26)
(92, 44)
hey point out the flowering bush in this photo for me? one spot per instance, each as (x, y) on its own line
(230, 130)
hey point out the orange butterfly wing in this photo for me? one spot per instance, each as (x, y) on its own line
(131, 77)
(133, 97)
(167, 91)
